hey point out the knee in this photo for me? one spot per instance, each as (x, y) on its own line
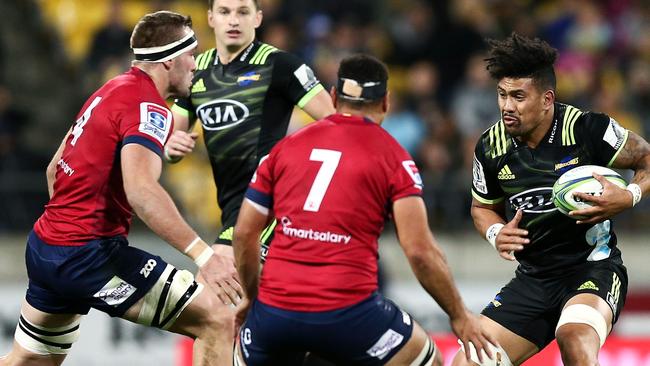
(578, 344)
(218, 318)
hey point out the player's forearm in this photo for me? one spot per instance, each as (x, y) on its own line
(155, 207)
(432, 271)
(484, 218)
(247, 248)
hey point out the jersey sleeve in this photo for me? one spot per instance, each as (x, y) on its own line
(601, 136)
(295, 79)
(183, 106)
(485, 187)
(406, 180)
(260, 188)
(146, 123)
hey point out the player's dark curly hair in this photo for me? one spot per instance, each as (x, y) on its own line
(521, 57)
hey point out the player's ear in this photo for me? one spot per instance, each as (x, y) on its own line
(385, 103)
(168, 64)
(210, 18)
(258, 18)
(549, 99)
(333, 96)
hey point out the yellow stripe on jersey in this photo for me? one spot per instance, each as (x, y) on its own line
(498, 140)
(571, 115)
(262, 53)
(180, 110)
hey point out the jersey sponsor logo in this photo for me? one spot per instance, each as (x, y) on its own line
(311, 234)
(115, 291)
(198, 87)
(155, 121)
(386, 343)
(227, 234)
(306, 77)
(614, 135)
(248, 78)
(66, 168)
(478, 177)
(563, 166)
(505, 173)
(536, 200)
(222, 113)
(414, 173)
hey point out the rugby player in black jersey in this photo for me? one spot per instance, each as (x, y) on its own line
(570, 283)
(243, 93)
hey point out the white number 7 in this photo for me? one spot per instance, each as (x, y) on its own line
(330, 159)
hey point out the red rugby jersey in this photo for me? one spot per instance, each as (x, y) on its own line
(89, 200)
(330, 186)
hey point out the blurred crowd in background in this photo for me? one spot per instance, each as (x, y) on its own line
(54, 53)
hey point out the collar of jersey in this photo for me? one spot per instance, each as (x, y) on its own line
(242, 56)
(346, 117)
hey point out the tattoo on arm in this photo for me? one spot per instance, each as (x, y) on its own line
(635, 155)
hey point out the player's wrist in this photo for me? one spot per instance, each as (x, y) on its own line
(199, 251)
(492, 232)
(169, 158)
(637, 194)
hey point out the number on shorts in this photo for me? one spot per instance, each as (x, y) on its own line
(146, 270)
(81, 122)
(330, 159)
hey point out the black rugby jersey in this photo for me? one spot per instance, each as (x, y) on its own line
(507, 169)
(244, 108)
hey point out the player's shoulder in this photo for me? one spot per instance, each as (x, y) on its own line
(205, 59)
(130, 88)
(494, 141)
(574, 120)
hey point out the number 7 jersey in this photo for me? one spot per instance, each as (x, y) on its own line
(331, 186)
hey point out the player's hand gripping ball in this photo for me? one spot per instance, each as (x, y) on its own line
(580, 179)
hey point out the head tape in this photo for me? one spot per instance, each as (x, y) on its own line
(166, 52)
(361, 92)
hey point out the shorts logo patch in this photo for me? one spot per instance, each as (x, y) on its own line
(496, 302)
(385, 344)
(406, 318)
(155, 121)
(115, 292)
(615, 292)
(589, 285)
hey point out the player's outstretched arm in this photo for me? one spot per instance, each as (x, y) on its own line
(50, 172)
(182, 140)
(430, 268)
(634, 155)
(246, 245)
(506, 238)
(141, 169)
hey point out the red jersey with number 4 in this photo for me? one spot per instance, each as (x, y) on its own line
(330, 186)
(89, 200)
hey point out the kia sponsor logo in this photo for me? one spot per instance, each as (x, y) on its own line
(222, 113)
(537, 200)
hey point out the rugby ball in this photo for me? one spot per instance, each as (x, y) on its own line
(580, 179)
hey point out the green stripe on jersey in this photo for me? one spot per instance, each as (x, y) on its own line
(310, 95)
(180, 110)
(484, 200)
(571, 115)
